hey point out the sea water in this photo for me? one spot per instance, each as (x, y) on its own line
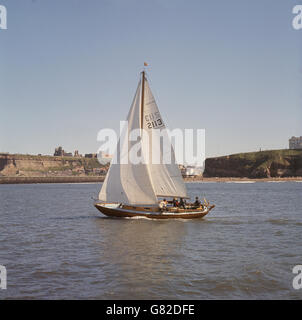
(56, 245)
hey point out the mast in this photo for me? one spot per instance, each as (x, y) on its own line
(143, 98)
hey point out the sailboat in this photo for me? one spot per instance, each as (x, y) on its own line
(135, 189)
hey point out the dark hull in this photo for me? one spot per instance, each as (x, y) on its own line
(121, 213)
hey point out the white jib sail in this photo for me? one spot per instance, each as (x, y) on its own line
(166, 177)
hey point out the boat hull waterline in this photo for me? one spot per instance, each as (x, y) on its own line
(114, 210)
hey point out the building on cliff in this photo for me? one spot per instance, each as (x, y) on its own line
(90, 155)
(59, 152)
(76, 154)
(295, 143)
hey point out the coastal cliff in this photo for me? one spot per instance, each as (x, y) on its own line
(17, 165)
(17, 168)
(262, 164)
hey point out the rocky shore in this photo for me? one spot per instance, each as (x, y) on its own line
(241, 180)
(30, 180)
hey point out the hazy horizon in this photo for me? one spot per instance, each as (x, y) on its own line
(69, 69)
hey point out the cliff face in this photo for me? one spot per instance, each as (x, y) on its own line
(46, 166)
(265, 164)
(262, 164)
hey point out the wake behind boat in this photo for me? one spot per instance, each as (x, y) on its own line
(133, 189)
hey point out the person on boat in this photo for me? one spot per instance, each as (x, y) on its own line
(166, 202)
(175, 202)
(197, 203)
(182, 203)
(163, 205)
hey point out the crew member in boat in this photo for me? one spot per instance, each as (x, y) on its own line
(163, 204)
(197, 203)
(182, 203)
(175, 202)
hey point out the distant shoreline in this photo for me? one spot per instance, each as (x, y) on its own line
(235, 179)
(58, 179)
(64, 179)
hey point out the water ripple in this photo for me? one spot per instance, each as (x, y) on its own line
(55, 245)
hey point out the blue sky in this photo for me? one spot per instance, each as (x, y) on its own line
(70, 68)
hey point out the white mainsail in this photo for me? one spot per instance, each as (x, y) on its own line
(140, 184)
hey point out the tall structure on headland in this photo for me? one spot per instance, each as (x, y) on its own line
(295, 143)
(59, 152)
(76, 154)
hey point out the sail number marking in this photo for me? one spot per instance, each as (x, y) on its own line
(153, 120)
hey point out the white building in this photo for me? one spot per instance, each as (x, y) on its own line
(192, 171)
(295, 143)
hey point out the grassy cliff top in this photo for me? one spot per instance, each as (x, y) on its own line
(19, 156)
(90, 162)
(273, 154)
